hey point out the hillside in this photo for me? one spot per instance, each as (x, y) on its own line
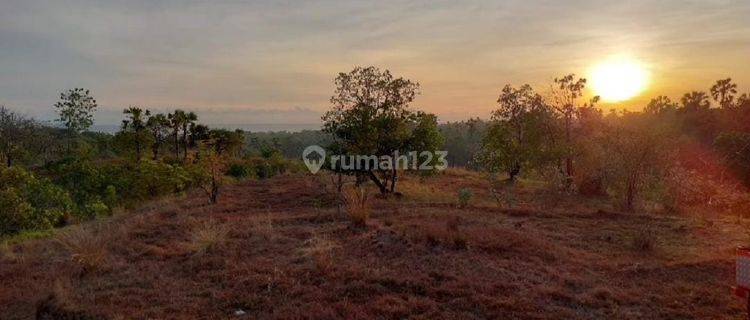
(277, 249)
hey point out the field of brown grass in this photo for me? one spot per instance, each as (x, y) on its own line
(279, 249)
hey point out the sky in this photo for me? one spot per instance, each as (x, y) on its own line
(240, 62)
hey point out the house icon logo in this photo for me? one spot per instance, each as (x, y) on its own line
(314, 156)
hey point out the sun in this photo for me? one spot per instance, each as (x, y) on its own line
(619, 79)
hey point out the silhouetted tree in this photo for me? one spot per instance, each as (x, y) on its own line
(136, 123)
(158, 125)
(723, 92)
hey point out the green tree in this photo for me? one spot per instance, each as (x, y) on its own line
(516, 138)
(566, 96)
(176, 120)
(136, 124)
(158, 126)
(17, 136)
(76, 109)
(371, 116)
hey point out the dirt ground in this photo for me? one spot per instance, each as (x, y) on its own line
(279, 249)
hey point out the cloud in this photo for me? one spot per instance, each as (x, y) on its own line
(237, 57)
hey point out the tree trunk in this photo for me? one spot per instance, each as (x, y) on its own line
(383, 189)
(176, 144)
(394, 180)
(513, 172)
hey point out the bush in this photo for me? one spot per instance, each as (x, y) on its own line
(464, 196)
(357, 205)
(96, 185)
(238, 170)
(30, 203)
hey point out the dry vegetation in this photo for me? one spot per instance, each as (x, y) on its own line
(277, 249)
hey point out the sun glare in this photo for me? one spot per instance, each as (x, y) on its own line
(618, 80)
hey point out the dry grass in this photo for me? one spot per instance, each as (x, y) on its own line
(88, 248)
(423, 261)
(206, 236)
(357, 203)
(320, 250)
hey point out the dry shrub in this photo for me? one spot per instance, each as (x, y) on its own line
(643, 240)
(206, 236)
(87, 248)
(450, 236)
(357, 205)
(320, 249)
(6, 251)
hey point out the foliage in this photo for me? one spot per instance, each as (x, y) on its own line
(371, 116)
(464, 196)
(208, 173)
(19, 137)
(76, 109)
(30, 203)
(518, 137)
(96, 185)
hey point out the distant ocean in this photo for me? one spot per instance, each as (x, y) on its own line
(255, 127)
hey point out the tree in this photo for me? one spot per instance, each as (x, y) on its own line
(208, 173)
(723, 92)
(371, 116)
(176, 120)
(136, 123)
(695, 101)
(187, 121)
(17, 135)
(516, 137)
(76, 109)
(158, 126)
(638, 149)
(565, 96)
(225, 142)
(660, 105)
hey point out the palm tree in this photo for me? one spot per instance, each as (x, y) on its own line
(158, 124)
(723, 92)
(188, 120)
(176, 119)
(137, 124)
(695, 101)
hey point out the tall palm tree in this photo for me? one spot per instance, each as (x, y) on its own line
(695, 101)
(176, 119)
(158, 125)
(723, 92)
(188, 120)
(136, 122)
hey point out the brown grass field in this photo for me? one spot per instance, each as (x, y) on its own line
(278, 249)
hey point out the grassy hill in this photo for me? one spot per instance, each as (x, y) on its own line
(278, 249)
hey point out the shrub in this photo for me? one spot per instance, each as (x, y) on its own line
(238, 170)
(207, 236)
(87, 248)
(112, 183)
(464, 196)
(30, 203)
(357, 205)
(643, 240)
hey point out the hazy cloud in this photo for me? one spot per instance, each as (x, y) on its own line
(240, 60)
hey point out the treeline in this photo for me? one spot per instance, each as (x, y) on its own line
(53, 176)
(677, 154)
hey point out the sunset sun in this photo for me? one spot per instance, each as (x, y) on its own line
(618, 80)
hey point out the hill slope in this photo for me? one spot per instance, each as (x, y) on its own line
(277, 249)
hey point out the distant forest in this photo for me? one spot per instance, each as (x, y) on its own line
(463, 140)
